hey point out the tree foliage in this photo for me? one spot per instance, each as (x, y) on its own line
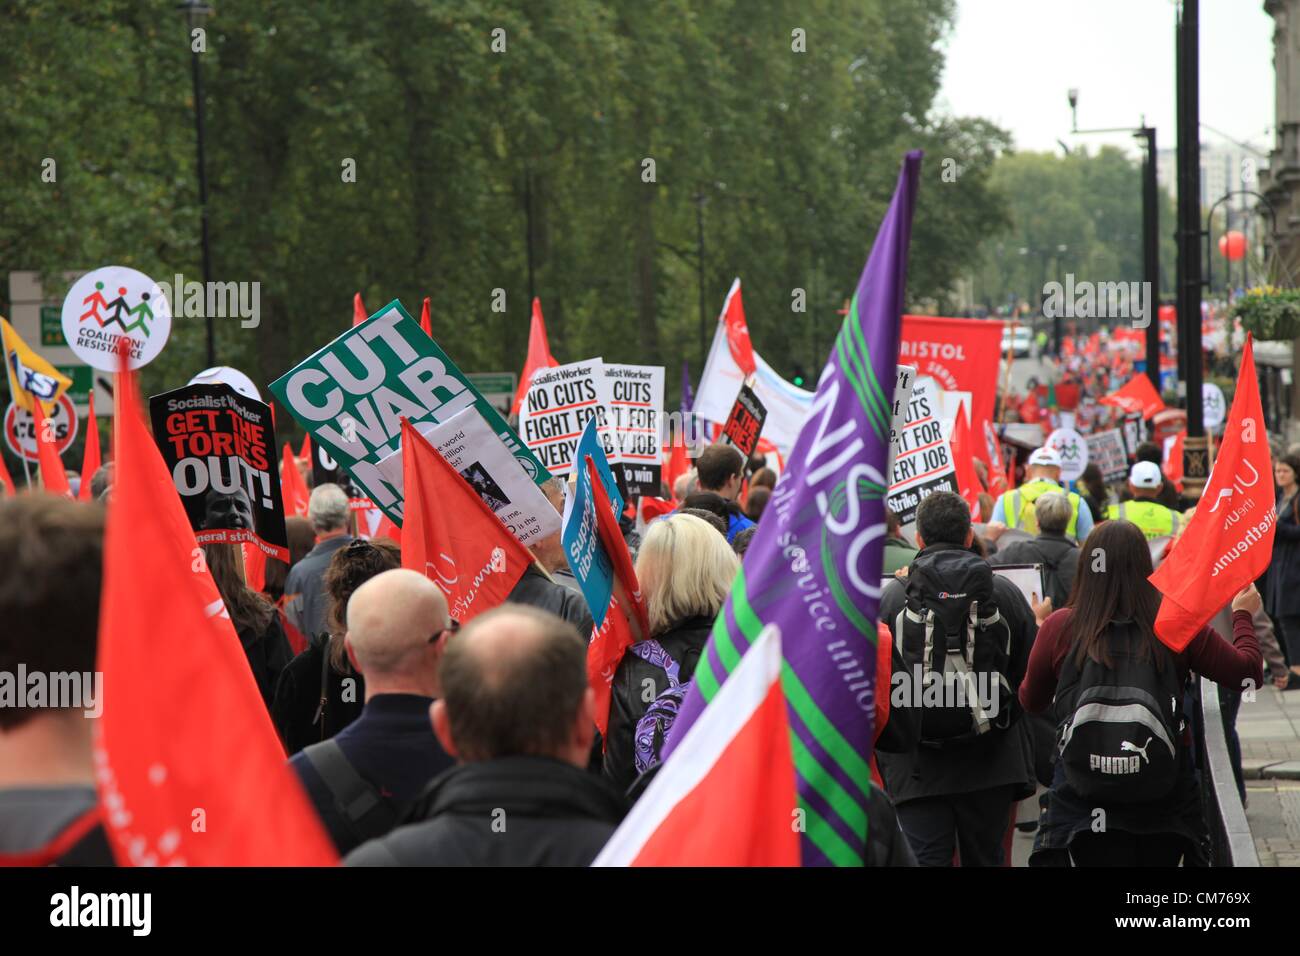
(787, 159)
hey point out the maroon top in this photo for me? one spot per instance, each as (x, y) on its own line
(1230, 665)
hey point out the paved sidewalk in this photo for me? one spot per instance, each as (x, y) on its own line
(1269, 728)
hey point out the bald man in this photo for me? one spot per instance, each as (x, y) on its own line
(364, 779)
(518, 713)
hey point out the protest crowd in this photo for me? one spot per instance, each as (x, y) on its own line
(807, 627)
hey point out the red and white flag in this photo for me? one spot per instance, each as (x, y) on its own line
(539, 354)
(451, 537)
(1229, 542)
(90, 459)
(733, 320)
(187, 763)
(726, 795)
(626, 616)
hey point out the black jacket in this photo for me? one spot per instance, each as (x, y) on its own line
(630, 696)
(297, 698)
(514, 811)
(992, 760)
(536, 590)
(268, 654)
(1047, 550)
(1282, 587)
(392, 747)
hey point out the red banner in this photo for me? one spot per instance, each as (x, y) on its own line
(1229, 542)
(962, 355)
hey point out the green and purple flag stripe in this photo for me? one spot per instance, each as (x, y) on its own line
(814, 567)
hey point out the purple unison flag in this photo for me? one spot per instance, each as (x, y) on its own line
(814, 567)
(688, 394)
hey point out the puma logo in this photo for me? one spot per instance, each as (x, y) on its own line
(1134, 748)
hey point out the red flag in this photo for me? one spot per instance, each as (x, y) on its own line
(724, 795)
(1136, 395)
(358, 311)
(1229, 542)
(733, 317)
(297, 643)
(5, 479)
(306, 448)
(1173, 464)
(90, 460)
(292, 487)
(53, 478)
(998, 484)
(963, 456)
(188, 765)
(678, 462)
(254, 566)
(388, 530)
(426, 323)
(539, 354)
(451, 537)
(620, 628)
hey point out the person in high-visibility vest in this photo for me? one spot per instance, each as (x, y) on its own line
(1015, 509)
(1155, 520)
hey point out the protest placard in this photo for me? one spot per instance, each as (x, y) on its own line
(220, 449)
(745, 423)
(559, 403)
(590, 564)
(1073, 449)
(20, 429)
(115, 307)
(1106, 451)
(903, 383)
(352, 394)
(924, 462)
(470, 447)
(636, 400)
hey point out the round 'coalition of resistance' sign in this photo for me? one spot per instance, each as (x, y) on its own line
(111, 304)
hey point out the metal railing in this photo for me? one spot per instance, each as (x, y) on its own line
(1231, 842)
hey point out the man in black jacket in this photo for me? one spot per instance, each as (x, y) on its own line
(1057, 554)
(364, 779)
(518, 712)
(959, 794)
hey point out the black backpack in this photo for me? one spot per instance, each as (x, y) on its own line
(1121, 728)
(951, 625)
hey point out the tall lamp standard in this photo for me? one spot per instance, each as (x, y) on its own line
(196, 14)
(1150, 236)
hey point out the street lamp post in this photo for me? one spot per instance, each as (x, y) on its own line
(196, 13)
(1150, 227)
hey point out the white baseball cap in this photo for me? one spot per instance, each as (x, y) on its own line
(1145, 474)
(1045, 456)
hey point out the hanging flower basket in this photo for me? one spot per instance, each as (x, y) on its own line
(1269, 313)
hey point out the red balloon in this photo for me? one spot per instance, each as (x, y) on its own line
(1232, 245)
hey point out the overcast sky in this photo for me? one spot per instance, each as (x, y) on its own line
(1012, 61)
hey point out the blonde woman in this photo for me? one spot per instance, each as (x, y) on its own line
(685, 568)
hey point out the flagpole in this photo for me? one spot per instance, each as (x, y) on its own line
(13, 396)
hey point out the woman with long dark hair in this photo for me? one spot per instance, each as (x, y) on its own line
(1282, 584)
(255, 619)
(1098, 660)
(319, 693)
